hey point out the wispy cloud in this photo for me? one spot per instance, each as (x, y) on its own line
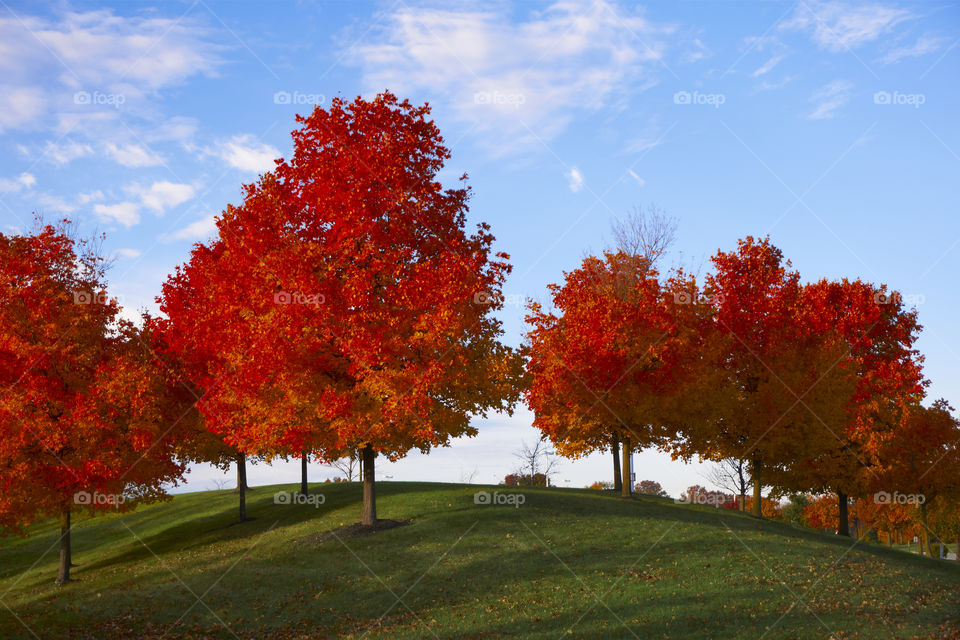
(516, 83)
(923, 46)
(575, 179)
(829, 98)
(839, 26)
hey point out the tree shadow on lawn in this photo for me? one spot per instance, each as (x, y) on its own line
(488, 549)
(398, 554)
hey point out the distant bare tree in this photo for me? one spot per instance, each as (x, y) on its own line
(348, 466)
(219, 484)
(645, 232)
(535, 460)
(467, 477)
(731, 475)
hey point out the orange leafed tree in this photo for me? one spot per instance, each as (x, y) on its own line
(344, 306)
(921, 458)
(610, 364)
(775, 381)
(877, 371)
(85, 422)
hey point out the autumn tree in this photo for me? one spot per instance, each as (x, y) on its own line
(876, 334)
(650, 488)
(85, 422)
(779, 378)
(920, 460)
(353, 310)
(609, 363)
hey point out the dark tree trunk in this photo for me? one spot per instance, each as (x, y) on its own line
(843, 527)
(242, 484)
(743, 486)
(368, 455)
(626, 487)
(63, 571)
(615, 448)
(755, 466)
(303, 474)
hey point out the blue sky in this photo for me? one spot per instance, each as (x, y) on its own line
(830, 126)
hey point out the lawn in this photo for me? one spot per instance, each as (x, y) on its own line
(564, 563)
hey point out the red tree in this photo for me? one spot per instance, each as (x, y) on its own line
(352, 309)
(84, 419)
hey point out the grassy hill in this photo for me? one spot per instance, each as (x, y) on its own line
(565, 563)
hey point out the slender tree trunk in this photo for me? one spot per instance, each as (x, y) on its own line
(843, 527)
(615, 448)
(743, 487)
(755, 466)
(303, 474)
(925, 540)
(626, 485)
(63, 571)
(242, 484)
(368, 455)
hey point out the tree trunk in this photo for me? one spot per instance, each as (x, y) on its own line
(242, 484)
(925, 540)
(626, 485)
(755, 466)
(958, 548)
(615, 448)
(843, 526)
(743, 487)
(63, 571)
(368, 455)
(303, 474)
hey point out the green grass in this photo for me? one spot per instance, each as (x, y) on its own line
(567, 563)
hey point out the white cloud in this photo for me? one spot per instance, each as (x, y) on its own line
(127, 253)
(162, 195)
(829, 98)
(923, 46)
(633, 174)
(199, 230)
(837, 26)
(125, 213)
(516, 84)
(133, 155)
(575, 179)
(63, 153)
(45, 61)
(93, 196)
(23, 181)
(245, 153)
(19, 104)
(768, 66)
(55, 203)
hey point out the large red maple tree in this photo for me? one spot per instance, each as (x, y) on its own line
(343, 305)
